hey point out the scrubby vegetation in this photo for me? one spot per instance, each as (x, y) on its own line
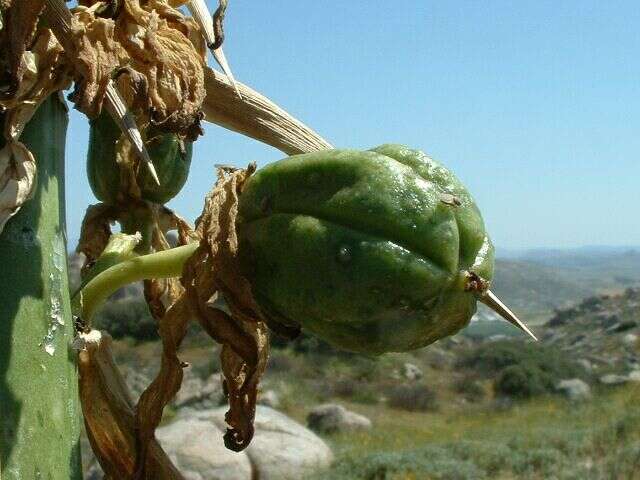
(545, 438)
(469, 407)
(521, 370)
(413, 397)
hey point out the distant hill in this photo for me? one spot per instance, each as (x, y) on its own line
(538, 281)
(604, 329)
(535, 289)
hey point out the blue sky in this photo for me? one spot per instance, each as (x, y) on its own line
(534, 104)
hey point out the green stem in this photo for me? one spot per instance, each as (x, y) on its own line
(165, 264)
(138, 218)
(39, 412)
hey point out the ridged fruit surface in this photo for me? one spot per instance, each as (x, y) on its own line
(369, 250)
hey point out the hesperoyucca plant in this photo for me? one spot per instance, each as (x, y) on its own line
(139, 73)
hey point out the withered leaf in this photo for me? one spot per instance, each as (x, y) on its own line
(42, 73)
(243, 334)
(17, 179)
(152, 41)
(19, 22)
(109, 414)
(95, 231)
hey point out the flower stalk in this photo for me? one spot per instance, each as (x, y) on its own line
(164, 264)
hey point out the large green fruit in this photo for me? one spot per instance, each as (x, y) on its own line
(369, 250)
(170, 156)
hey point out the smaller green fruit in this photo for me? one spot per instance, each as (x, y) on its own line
(170, 156)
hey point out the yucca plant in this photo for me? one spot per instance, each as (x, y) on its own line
(139, 73)
(41, 54)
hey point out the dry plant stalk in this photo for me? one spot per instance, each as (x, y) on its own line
(255, 116)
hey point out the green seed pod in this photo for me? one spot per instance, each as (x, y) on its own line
(170, 156)
(373, 251)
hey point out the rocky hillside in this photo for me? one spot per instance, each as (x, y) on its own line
(316, 401)
(602, 331)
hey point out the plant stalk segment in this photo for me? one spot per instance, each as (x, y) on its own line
(495, 304)
(255, 116)
(165, 264)
(60, 19)
(39, 411)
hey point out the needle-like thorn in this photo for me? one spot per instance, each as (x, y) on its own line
(218, 54)
(202, 16)
(60, 22)
(117, 109)
(495, 304)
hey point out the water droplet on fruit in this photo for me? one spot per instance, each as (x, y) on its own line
(344, 254)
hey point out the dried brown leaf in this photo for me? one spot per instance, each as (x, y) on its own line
(17, 179)
(172, 329)
(20, 19)
(243, 334)
(109, 414)
(244, 337)
(146, 40)
(95, 231)
(42, 72)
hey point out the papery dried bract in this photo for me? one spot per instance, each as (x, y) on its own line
(42, 72)
(19, 22)
(17, 179)
(95, 231)
(109, 414)
(159, 54)
(243, 333)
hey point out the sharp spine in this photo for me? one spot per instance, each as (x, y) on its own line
(127, 123)
(495, 304)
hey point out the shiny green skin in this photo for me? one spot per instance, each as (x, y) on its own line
(359, 248)
(169, 157)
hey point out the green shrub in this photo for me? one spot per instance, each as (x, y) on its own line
(521, 370)
(470, 388)
(413, 397)
(433, 462)
(522, 381)
(540, 460)
(128, 317)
